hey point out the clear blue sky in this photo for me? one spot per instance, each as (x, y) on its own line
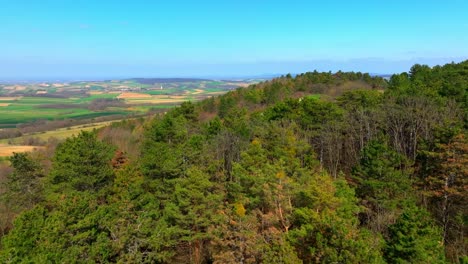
(103, 38)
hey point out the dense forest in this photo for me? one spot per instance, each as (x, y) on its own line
(314, 168)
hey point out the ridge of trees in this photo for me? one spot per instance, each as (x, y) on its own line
(319, 168)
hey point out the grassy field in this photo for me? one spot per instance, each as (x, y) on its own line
(25, 103)
(8, 150)
(28, 109)
(9, 146)
(61, 133)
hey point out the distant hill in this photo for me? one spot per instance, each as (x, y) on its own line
(166, 80)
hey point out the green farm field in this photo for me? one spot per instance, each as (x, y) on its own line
(26, 103)
(60, 134)
(29, 109)
(41, 111)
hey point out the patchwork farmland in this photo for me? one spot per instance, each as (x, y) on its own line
(60, 109)
(24, 103)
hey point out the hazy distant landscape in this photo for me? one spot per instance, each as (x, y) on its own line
(29, 102)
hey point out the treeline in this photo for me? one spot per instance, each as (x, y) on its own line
(319, 168)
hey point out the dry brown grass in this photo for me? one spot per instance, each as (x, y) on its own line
(168, 97)
(156, 101)
(133, 95)
(9, 98)
(347, 86)
(7, 150)
(20, 88)
(241, 84)
(4, 104)
(60, 133)
(215, 93)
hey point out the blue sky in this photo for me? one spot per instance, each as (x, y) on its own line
(103, 39)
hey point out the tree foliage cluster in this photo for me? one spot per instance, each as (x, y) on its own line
(316, 168)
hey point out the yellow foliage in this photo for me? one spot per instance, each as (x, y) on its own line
(256, 142)
(281, 174)
(239, 209)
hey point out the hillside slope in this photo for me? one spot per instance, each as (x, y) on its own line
(319, 168)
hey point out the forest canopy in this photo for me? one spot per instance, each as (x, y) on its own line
(317, 168)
